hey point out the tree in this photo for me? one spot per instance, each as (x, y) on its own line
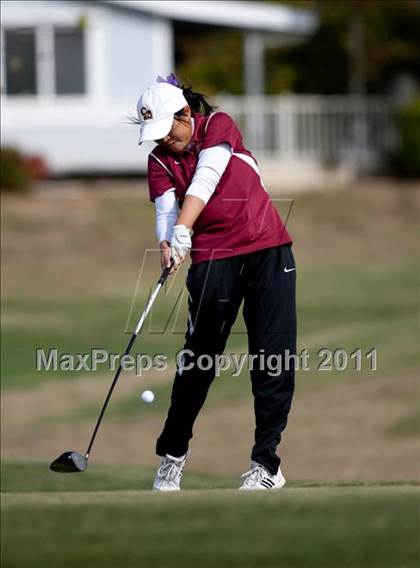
(359, 46)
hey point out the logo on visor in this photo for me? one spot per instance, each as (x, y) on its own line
(146, 113)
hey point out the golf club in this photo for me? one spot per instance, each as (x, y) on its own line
(70, 462)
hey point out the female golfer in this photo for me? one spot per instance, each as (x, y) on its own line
(210, 201)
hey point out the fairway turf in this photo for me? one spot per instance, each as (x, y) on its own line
(305, 527)
(69, 281)
(108, 517)
(58, 292)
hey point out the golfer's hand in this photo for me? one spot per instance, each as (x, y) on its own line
(165, 255)
(180, 243)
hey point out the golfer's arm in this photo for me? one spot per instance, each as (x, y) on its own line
(191, 209)
(211, 165)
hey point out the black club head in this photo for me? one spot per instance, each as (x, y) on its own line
(69, 462)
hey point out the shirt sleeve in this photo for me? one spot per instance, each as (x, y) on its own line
(158, 177)
(221, 128)
(212, 163)
(166, 215)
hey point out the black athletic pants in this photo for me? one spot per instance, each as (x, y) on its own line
(265, 280)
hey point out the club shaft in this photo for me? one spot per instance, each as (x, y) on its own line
(138, 328)
(147, 309)
(114, 382)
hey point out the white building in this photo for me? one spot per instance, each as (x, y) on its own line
(71, 71)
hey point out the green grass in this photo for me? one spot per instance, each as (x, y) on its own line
(108, 517)
(85, 302)
(408, 426)
(69, 284)
(76, 325)
(30, 477)
(357, 527)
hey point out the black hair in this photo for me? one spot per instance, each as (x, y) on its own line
(196, 101)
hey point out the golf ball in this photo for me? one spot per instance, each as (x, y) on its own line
(148, 396)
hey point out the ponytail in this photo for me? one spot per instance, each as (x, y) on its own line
(196, 101)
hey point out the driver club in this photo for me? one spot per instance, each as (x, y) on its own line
(71, 461)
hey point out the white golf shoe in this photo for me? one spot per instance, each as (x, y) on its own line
(258, 477)
(169, 473)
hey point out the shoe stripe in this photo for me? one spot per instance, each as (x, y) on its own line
(267, 482)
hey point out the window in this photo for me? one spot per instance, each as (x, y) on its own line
(45, 61)
(69, 64)
(20, 61)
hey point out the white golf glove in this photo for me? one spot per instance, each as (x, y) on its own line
(180, 243)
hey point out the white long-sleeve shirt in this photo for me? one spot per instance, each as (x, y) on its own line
(211, 165)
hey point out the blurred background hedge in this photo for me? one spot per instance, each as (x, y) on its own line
(18, 171)
(408, 124)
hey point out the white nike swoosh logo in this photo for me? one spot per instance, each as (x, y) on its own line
(177, 163)
(289, 269)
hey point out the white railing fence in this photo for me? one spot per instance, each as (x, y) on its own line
(333, 130)
(78, 135)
